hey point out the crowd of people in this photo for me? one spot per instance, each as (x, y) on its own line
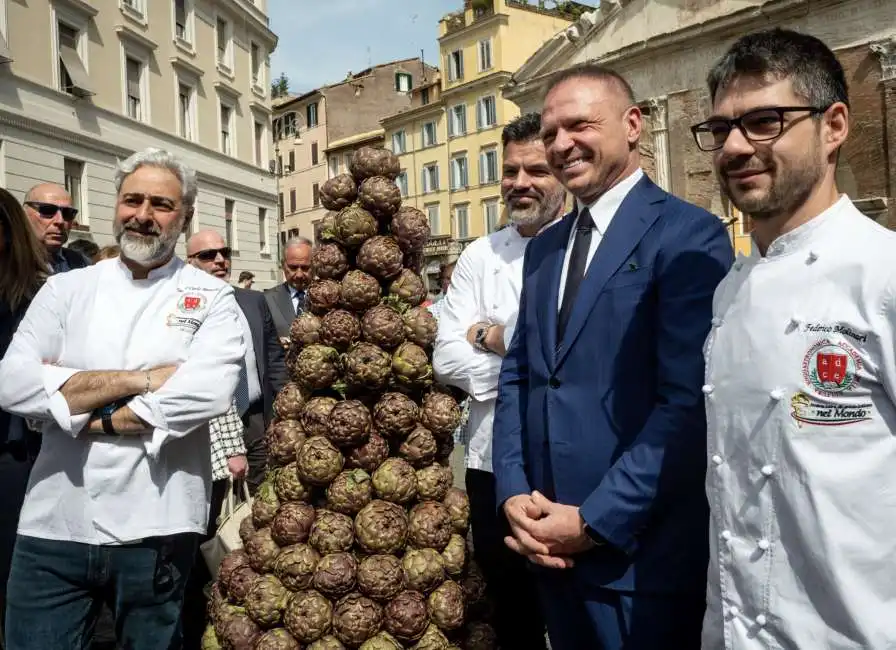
(665, 447)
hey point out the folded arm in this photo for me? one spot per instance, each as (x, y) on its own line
(670, 448)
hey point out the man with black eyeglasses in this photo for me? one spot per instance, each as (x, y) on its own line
(800, 368)
(49, 207)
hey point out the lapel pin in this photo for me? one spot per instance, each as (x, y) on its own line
(632, 266)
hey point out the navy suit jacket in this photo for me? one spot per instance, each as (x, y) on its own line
(616, 407)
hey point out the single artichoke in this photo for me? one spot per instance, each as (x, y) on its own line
(239, 633)
(381, 257)
(332, 532)
(395, 481)
(380, 196)
(383, 326)
(295, 566)
(432, 639)
(473, 584)
(340, 329)
(368, 456)
(262, 551)
(223, 616)
(350, 424)
(359, 291)
(292, 523)
(266, 601)
(381, 527)
(458, 504)
(316, 415)
(284, 438)
(395, 415)
(240, 582)
(278, 639)
(356, 618)
(408, 287)
(289, 402)
(429, 525)
(440, 413)
(419, 449)
(322, 296)
(423, 569)
(406, 616)
(305, 329)
(230, 563)
(454, 557)
(328, 642)
(367, 366)
(315, 367)
(420, 326)
(380, 577)
(446, 605)
(374, 161)
(308, 615)
(319, 461)
(350, 491)
(410, 227)
(410, 365)
(264, 505)
(339, 192)
(328, 261)
(381, 641)
(433, 482)
(353, 226)
(288, 485)
(335, 574)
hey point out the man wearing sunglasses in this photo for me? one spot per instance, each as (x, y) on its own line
(49, 208)
(800, 368)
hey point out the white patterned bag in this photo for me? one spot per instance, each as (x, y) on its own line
(227, 538)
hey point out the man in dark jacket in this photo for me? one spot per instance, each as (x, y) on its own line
(49, 208)
(287, 300)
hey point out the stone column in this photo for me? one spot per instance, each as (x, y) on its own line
(660, 134)
(886, 52)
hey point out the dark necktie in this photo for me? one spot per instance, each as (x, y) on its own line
(578, 260)
(299, 303)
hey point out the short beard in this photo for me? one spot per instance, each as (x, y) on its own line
(540, 214)
(148, 251)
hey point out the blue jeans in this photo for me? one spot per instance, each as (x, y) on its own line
(56, 590)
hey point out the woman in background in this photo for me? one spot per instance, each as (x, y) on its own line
(23, 269)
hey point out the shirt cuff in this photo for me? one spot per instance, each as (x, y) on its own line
(54, 378)
(146, 407)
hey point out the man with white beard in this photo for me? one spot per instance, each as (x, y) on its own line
(475, 328)
(125, 363)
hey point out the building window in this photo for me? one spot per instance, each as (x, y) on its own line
(311, 115)
(490, 210)
(135, 6)
(292, 201)
(399, 142)
(224, 40)
(226, 130)
(263, 231)
(291, 167)
(462, 219)
(485, 54)
(280, 206)
(457, 120)
(486, 112)
(429, 134)
(182, 29)
(333, 164)
(285, 126)
(432, 213)
(229, 224)
(431, 178)
(73, 77)
(488, 166)
(186, 111)
(459, 178)
(456, 65)
(259, 144)
(314, 157)
(255, 63)
(315, 194)
(347, 159)
(134, 85)
(402, 181)
(73, 171)
(424, 96)
(403, 82)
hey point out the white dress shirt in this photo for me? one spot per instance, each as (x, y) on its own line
(801, 482)
(602, 212)
(485, 287)
(96, 489)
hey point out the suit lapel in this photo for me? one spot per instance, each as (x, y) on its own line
(284, 300)
(632, 220)
(548, 283)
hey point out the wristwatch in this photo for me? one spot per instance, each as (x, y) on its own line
(479, 338)
(595, 536)
(106, 417)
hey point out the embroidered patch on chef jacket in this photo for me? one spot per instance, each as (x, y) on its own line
(806, 409)
(831, 368)
(190, 303)
(184, 323)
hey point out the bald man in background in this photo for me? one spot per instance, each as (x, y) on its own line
(52, 216)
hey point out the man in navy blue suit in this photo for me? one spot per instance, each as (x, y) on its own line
(600, 431)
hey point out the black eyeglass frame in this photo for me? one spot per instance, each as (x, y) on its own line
(42, 208)
(211, 254)
(737, 122)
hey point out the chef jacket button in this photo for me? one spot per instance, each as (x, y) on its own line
(812, 257)
(726, 535)
(734, 610)
(761, 620)
(553, 382)
(763, 544)
(708, 389)
(767, 470)
(716, 321)
(716, 459)
(777, 394)
(738, 266)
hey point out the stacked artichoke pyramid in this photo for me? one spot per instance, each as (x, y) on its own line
(357, 538)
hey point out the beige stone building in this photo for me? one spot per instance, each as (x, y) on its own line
(315, 134)
(86, 83)
(665, 49)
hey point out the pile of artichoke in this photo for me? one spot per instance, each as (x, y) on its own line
(357, 537)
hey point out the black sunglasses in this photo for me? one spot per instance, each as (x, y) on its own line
(49, 210)
(211, 254)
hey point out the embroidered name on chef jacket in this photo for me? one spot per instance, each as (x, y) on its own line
(830, 373)
(191, 310)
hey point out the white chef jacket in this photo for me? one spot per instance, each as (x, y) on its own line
(800, 388)
(99, 490)
(485, 287)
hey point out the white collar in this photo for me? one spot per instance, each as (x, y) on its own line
(166, 270)
(803, 234)
(607, 204)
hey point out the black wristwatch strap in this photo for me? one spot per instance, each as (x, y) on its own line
(595, 537)
(106, 417)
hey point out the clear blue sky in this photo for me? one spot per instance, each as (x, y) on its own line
(321, 40)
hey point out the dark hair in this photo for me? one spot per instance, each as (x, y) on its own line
(246, 275)
(85, 247)
(525, 128)
(813, 69)
(23, 264)
(595, 72)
